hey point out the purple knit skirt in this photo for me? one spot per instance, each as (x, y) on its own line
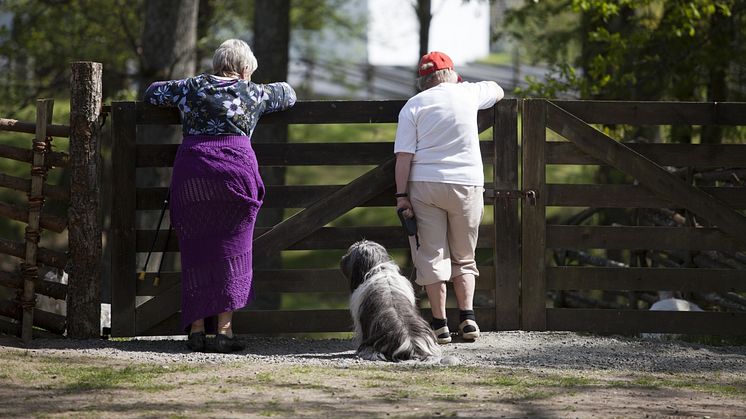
(216, 192)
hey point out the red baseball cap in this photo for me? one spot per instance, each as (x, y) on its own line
(434, 61)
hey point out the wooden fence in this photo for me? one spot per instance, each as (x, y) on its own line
(305, 230)
(710, 219)
(83, 259)
(539, 267)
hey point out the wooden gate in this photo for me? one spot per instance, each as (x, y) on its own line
(142, 308)
(717, 208)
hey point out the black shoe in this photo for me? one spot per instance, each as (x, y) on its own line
(196, 341)
(224, 344)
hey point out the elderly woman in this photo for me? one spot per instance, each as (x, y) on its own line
(440, 181)
(216, 190)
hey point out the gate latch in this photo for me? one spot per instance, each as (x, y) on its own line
(529, 195)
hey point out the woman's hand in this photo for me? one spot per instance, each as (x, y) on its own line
(403, 202)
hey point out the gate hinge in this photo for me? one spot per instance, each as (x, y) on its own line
(529, 195)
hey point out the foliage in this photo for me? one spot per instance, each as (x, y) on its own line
(635, 49)
(40, 38)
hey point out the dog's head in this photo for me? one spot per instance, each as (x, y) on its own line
(360, 258)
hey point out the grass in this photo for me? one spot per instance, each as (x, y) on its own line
(76, 375)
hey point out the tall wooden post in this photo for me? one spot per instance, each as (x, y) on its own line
(533, 213)
(507, 224)
(29, 269)
(84, 287)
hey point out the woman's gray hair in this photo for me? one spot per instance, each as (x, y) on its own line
(234, 57)
(435, 78)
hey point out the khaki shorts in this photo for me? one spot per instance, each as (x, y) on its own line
(448, 217)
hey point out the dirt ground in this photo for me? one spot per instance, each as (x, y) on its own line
(506, 374)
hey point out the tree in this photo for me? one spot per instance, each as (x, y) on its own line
(271, 48)
(635, 49)
(169, 41)
(423, 9)
(41, 38)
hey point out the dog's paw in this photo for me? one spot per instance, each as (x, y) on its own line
(369, 354)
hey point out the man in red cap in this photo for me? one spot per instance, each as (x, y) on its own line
(440, 182)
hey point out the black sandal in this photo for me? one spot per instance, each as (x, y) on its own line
(197, 341)
(224, 344)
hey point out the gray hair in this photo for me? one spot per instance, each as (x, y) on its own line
(435, 78)
(234, 57)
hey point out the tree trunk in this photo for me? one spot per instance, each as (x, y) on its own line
(424, 16)
(271, 45)
(84, 295)
(721, 34)
(169, 42)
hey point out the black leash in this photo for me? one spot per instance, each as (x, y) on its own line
(157, 278)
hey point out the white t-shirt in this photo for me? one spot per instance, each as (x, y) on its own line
(439, 126)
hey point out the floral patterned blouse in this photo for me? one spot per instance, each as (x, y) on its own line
(212, 105)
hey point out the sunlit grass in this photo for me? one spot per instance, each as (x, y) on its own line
(75, 374)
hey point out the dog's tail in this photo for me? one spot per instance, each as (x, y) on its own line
(419, 344)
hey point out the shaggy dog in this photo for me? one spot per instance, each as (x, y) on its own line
(388, 324)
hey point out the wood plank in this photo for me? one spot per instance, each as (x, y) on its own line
(51, 158)
(15, 125)
(24, 185)
(629, 322)
(275, 322)
(285, 154)
(46, 256)
(44, 319)
(655, 113)
(289, 196)
(533, 234)
(123, 258)
(304, 112)
(292, 281)
(10, 328)
(46, 221)
(50, 289)
(645, 279)
(310, 112)
(629, 196)
(507, 234)
(698, 156)
(296, 154)
(639, 237)
(652, 176)
(392, 237)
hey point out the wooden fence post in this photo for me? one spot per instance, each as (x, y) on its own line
(84, 283)
(533, 213)
(29, 269)
(507, 255)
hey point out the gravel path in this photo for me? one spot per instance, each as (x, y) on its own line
(532, 350)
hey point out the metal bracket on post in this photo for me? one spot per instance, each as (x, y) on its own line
(529, 195)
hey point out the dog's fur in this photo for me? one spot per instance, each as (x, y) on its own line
(388, 324)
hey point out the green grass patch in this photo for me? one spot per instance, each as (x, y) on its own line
(75, 375)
